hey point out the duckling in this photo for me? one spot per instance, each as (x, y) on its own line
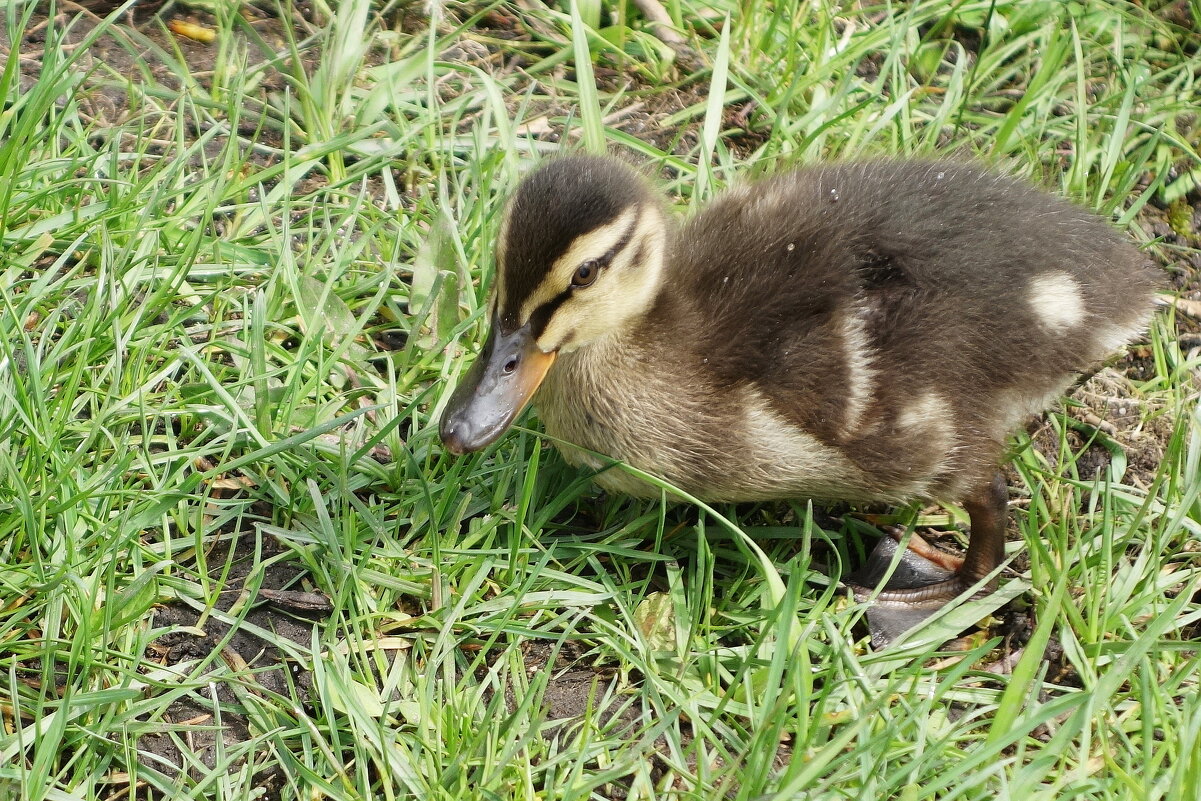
(860, 332)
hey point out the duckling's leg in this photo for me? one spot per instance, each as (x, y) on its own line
(923, 584)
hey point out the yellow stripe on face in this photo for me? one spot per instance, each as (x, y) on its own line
(592, 245)
(502, 252)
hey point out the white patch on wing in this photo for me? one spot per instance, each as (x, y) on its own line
(929, 416)
(860, 370)
(1112, 337)
(1056, 300)
(1019, 406)
(784, 460)
(929, 412)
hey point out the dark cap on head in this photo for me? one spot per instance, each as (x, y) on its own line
(555, 204)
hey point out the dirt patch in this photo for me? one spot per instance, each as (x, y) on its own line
(505, 44)
(572, 696)
(205, 722)
(135, 51)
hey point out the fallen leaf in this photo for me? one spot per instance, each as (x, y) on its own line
(193, 31)
(295, 599)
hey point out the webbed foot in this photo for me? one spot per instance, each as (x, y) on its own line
(925, 579)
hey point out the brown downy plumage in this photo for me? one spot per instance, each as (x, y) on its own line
(853, 332)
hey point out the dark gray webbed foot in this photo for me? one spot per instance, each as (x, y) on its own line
(925, 579)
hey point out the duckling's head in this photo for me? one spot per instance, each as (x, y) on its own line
(579, 259)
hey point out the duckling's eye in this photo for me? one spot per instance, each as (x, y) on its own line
(586, 273)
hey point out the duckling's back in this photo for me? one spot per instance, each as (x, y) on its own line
(931, 230)
(906, 315)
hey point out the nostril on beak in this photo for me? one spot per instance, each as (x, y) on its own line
(451, 436)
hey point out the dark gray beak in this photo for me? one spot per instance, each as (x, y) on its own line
(494, 391)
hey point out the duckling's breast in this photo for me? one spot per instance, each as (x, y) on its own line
(613, 402)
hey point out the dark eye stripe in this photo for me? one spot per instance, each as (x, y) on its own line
(624, 241)
(540, 319)
(541, 316)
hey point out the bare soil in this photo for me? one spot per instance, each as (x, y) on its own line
(193, 637)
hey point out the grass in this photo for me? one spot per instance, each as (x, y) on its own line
(231, 317)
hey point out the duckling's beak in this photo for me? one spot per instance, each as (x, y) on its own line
(495, 390)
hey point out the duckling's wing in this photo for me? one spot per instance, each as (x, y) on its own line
(883, 306)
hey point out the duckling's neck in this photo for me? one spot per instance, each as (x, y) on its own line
(612, 396)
